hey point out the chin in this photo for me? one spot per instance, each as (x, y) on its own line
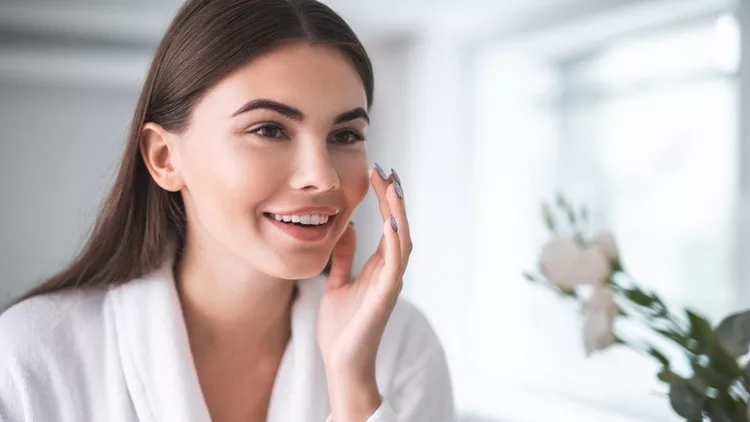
(298, 269)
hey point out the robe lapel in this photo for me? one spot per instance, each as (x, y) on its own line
(300, 392)
(155, 351)
(158, 364)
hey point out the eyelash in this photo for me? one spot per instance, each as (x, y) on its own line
(356, 135)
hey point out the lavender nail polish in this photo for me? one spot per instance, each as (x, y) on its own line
(394, 224)
(395, 176)
(381, 172)
(399, 190)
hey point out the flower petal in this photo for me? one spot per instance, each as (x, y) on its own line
(606, 241)
(598, 332)
(558, 260)
(592, 266)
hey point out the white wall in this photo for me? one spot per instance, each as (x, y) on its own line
(58, 148)
(743, 238)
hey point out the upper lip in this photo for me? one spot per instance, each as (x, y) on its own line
(309, 211)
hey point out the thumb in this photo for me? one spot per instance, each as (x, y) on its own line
(343, 258)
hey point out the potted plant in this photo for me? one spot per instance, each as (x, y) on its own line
(588, 269)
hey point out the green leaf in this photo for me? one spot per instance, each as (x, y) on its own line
(726, 408)
(685, 400)
(708, 376)
(567, 292)
(639, 297)
(659, 356)
(718, 414)
(723, 362)
(675, 337)
(700, 330)
(668, 376)
(661, 308)
(719, 359)
(565, 206)
(733, 333)
(560, 199)
(746, 376)
(549, 219)
(529, 277)
(737, 407)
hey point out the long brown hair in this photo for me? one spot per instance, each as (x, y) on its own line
(206, 40)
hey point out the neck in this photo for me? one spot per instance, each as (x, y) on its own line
(230, 308)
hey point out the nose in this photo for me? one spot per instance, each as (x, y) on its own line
(314, 170)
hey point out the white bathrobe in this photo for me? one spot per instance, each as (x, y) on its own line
(122, 355)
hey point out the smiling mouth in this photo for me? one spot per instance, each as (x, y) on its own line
(311, 221)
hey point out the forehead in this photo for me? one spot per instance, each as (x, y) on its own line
(318, 80)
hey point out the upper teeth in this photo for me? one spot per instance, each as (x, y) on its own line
(312, 219)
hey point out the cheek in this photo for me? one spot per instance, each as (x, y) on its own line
(352, 169)
(227, 178)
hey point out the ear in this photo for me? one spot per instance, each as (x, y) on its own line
(158, 149)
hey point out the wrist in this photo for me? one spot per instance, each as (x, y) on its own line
(354, 398)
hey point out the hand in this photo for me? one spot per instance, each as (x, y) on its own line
(354, 311)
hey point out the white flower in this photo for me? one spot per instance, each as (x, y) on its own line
(601, 311)
(606, 241)
(567, 264)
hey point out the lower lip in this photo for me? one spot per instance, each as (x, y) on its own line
(303, 233)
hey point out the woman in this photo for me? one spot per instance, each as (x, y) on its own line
(199, 296)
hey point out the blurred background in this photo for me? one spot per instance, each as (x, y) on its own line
(486, 108)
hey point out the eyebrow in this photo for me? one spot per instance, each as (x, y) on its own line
(295, 114)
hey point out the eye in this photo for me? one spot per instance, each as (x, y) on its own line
(270, 131)
(347, 137)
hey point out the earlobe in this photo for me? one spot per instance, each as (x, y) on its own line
(157, 147)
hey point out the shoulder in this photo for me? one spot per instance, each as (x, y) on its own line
(409, 341)
(412, 368)
(45, 326)
(410, 326)
(46, 349)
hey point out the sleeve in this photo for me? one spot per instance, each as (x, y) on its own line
(15, 403)
(422, 392)
(23, 370)
(10, 406)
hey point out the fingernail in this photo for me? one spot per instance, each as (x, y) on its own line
(399, 190)
(381, 172)
(394, 224)
(395, 176)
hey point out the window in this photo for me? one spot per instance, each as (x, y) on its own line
(643, 131)
(652, 124)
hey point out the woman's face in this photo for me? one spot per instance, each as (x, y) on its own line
(273, 163)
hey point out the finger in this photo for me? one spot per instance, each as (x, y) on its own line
(378, 271)
(395, 198)
(394, 298)
(381, 246)
(375, 260)
(390, 275)
(371, 271)
(343, 258)
(380, 182)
